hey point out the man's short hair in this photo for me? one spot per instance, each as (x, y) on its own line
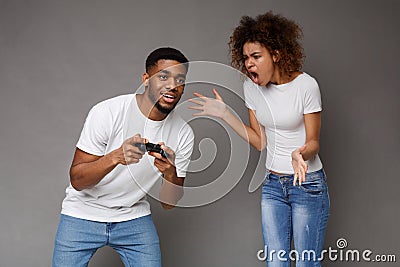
(165, 53)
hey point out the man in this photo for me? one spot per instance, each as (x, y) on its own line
(110, 174)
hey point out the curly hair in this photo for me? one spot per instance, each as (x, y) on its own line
(275, 33)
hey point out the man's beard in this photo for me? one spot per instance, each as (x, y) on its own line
(163, 109)
(157, 104)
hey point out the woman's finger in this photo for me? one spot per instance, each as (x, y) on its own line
(196, 107)
(195, 101)
(200, 96)
(217, 96)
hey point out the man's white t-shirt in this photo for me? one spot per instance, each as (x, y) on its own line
(121, 194)
(280, 109)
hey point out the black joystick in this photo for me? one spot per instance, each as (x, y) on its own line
(150, 147)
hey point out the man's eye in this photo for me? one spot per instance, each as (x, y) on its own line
(180, 81)
(257, 57)
(163, 77)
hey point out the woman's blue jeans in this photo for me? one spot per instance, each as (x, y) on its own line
(136, 241)
(299, 212)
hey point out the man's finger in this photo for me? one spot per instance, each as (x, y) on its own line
(166, 148)
(136, 147)
(157, 156)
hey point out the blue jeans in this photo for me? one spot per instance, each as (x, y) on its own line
(136, 241)
(298, 212)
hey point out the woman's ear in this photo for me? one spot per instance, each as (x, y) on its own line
(276, 56)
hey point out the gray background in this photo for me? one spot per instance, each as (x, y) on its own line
(58, 58)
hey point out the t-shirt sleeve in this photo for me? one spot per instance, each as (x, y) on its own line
(184, 151)
(312, 98)
(249, 89)
(95, 133)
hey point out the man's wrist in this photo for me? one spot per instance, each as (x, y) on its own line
(171, 176)
(115, 156)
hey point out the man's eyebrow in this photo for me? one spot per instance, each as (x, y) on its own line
(182, 75)
(165, 71)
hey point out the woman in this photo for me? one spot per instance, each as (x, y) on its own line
(284, 107)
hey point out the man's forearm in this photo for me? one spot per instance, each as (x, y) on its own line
(171, 191)
(87, 174)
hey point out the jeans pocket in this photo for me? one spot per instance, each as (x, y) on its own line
(314, 187)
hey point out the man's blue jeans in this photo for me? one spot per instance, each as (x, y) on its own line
(136, 241)
(298, 212)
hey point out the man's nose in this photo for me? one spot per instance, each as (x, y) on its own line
(171, 84)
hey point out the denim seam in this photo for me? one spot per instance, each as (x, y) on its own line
(289, 234)
(319, 231)
(108, 232)
(127, 258)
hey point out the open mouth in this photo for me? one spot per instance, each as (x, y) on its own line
(168, 97)
(254, 77)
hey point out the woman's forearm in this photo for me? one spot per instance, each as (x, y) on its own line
(312, 149)
(254, 138)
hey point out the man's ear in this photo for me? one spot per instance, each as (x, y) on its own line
(145, 79)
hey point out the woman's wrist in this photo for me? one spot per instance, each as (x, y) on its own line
(225, 114)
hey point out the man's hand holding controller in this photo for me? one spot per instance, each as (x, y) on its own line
(130, 152)
(133, 149)
(164, 157)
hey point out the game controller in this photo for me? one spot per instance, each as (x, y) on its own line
(150, 147)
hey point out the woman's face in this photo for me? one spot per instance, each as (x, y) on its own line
(259, 63)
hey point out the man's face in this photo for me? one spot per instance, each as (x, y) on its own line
(165, 84)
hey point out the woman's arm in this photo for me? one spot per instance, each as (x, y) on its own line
(312, 124)
(253, 134)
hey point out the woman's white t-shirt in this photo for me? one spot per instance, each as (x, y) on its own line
(280, 109)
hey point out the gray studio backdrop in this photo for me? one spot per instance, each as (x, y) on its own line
(59, 58)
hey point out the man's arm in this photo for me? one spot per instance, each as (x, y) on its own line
(171, 189)
(87, 170)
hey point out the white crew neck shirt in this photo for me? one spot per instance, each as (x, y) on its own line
(280, 109)
(121, 194)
